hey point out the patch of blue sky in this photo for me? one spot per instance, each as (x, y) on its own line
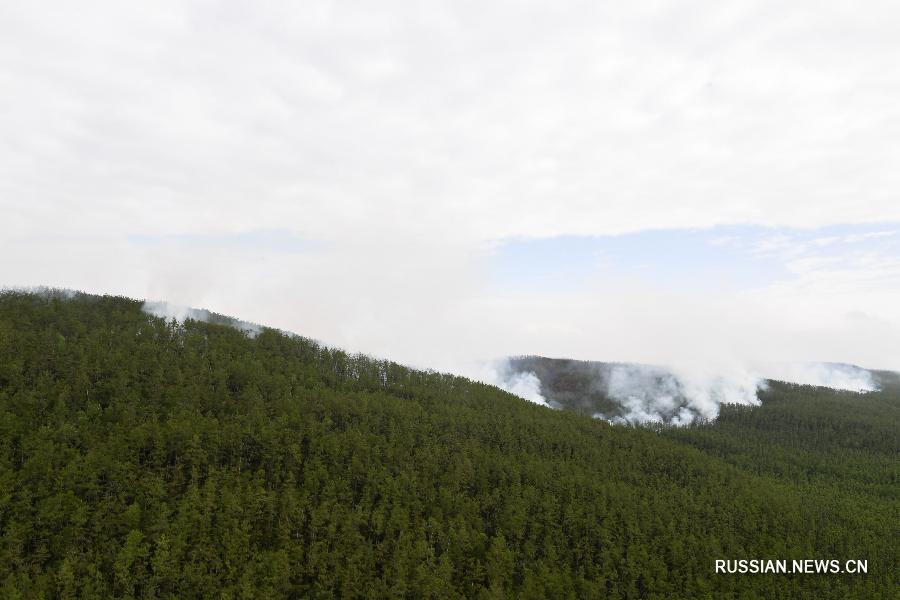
(730, 257)
(263, 240)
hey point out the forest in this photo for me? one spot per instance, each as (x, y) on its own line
(149, 458)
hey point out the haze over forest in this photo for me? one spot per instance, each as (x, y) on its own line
(617, 392)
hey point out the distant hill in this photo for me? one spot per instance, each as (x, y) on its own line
(584, 386)
(143, 457)
(631, 392)
(888, 380)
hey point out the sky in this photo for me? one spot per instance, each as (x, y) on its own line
(704, 182)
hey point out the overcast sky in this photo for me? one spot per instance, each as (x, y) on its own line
(437, 181)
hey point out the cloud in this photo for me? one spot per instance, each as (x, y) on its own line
(391, 151)
(514, 120)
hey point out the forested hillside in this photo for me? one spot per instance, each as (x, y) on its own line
(633, 393)
(141, 458)
(578, 385)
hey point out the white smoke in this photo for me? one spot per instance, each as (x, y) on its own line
(499, 373)
(645, 393)
(680, 395)
(525, 385)
(168, 311)
(832, 375)
(705, 389)
(677, 394)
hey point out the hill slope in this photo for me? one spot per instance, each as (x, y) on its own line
(631, 392)
(152, 459)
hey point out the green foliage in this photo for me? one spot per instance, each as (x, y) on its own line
(141, 458)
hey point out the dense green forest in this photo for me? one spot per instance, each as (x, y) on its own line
(145, 458)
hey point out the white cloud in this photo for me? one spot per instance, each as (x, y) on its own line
(409, 139)
(503, 120)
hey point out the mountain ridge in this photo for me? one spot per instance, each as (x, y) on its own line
(634, 392)
(143, 457)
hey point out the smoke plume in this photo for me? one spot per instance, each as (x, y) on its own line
(651, 394)
(617, 392)
(168, 311)
(501, 373)
(678, 395)
(833, 375)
